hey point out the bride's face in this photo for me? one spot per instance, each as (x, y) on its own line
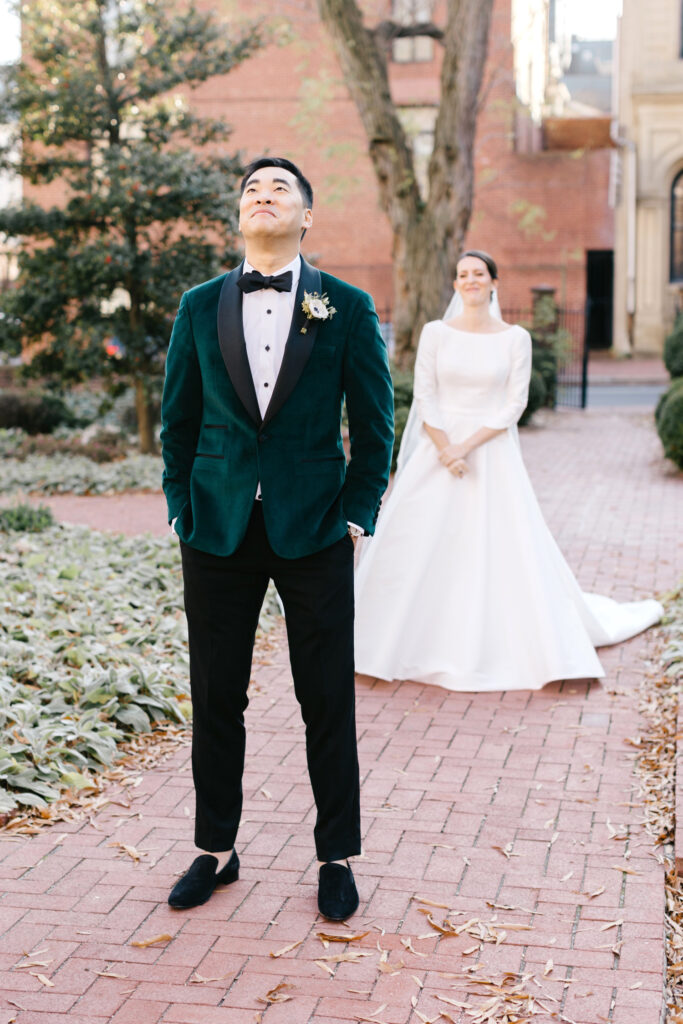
(473, 281)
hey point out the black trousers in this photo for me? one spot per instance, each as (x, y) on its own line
(223, 598)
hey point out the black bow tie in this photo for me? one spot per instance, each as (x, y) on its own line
(254, 281)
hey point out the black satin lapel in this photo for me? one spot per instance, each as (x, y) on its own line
(232, 345)
(299, 346)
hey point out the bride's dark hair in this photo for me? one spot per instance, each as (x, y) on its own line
(484, 257)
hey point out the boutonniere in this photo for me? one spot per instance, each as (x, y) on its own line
(316, 307)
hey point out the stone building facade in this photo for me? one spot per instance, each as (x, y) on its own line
(648, 181)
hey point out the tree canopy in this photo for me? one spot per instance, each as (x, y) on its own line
(129, 195)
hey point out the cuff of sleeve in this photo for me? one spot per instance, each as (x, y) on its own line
(355, 530)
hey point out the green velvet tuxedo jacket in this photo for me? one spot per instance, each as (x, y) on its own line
(217, 448)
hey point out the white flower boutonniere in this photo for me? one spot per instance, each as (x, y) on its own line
(316, 307)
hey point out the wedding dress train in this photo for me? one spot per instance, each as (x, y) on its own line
(463, 585)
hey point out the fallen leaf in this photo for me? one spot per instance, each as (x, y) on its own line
(444, 929)
(277, 994)
(409, 946)
(144, 943)
(464, 927)
(565, 878)
(285, 949)
(611, 924)
(506, 850)
(199, 979)
(625, 871)
(129, 850)
(548, 968)
(325, 937)
(42, 979)
(430, 903)
(266, 794)
(394, 968)
(453, 1002)
(348, 957)
(110, 974)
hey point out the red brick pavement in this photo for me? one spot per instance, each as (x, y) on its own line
(515, 809)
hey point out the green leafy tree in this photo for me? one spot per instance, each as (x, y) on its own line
(145, 189)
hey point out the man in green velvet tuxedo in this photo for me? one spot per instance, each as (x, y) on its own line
(260, 362)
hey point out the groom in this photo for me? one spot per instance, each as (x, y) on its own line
(258, 488)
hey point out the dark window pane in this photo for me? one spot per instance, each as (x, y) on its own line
(677, 228)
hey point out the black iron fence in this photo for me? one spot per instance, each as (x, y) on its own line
(569, 341)
(569, 338)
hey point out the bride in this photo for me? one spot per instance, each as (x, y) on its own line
(463, 585)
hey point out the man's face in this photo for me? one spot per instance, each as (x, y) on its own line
(272, 206)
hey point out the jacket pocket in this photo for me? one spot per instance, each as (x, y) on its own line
(322, 464)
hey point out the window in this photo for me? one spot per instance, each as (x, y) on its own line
(412, 49)
(676, 273)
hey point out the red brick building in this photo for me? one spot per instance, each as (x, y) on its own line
(537, 210)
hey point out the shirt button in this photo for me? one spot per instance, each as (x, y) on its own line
(267, 348)
(269, 311)
(265, 384)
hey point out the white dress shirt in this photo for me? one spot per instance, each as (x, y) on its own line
(267, 317)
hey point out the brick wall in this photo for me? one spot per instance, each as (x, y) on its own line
(536, 213)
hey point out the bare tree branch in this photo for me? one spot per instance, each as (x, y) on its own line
(387, 31)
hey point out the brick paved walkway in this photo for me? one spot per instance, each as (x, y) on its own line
(518, 812)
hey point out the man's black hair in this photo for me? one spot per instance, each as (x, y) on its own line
(279, 161)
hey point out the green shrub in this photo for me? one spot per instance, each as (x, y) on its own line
(669, 419)
(673, 349)
(544, 361)
(26, 519)
(537, 397)
(36, 412)
(403, 399)
(400, 420)
(676, 385)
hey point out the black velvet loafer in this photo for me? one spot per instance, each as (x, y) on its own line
(201, 878)
(337, 893)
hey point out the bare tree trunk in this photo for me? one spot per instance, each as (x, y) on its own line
(143, 409)
(427, 236)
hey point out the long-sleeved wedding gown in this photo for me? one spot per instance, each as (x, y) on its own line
(463, 584)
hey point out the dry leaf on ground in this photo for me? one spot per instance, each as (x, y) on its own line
(144, 943)
(285, 949)
(277, 994)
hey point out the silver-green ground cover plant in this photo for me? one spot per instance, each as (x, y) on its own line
(76, 474)
(93, 648)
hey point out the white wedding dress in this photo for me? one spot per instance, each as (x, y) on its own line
(463, 585)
